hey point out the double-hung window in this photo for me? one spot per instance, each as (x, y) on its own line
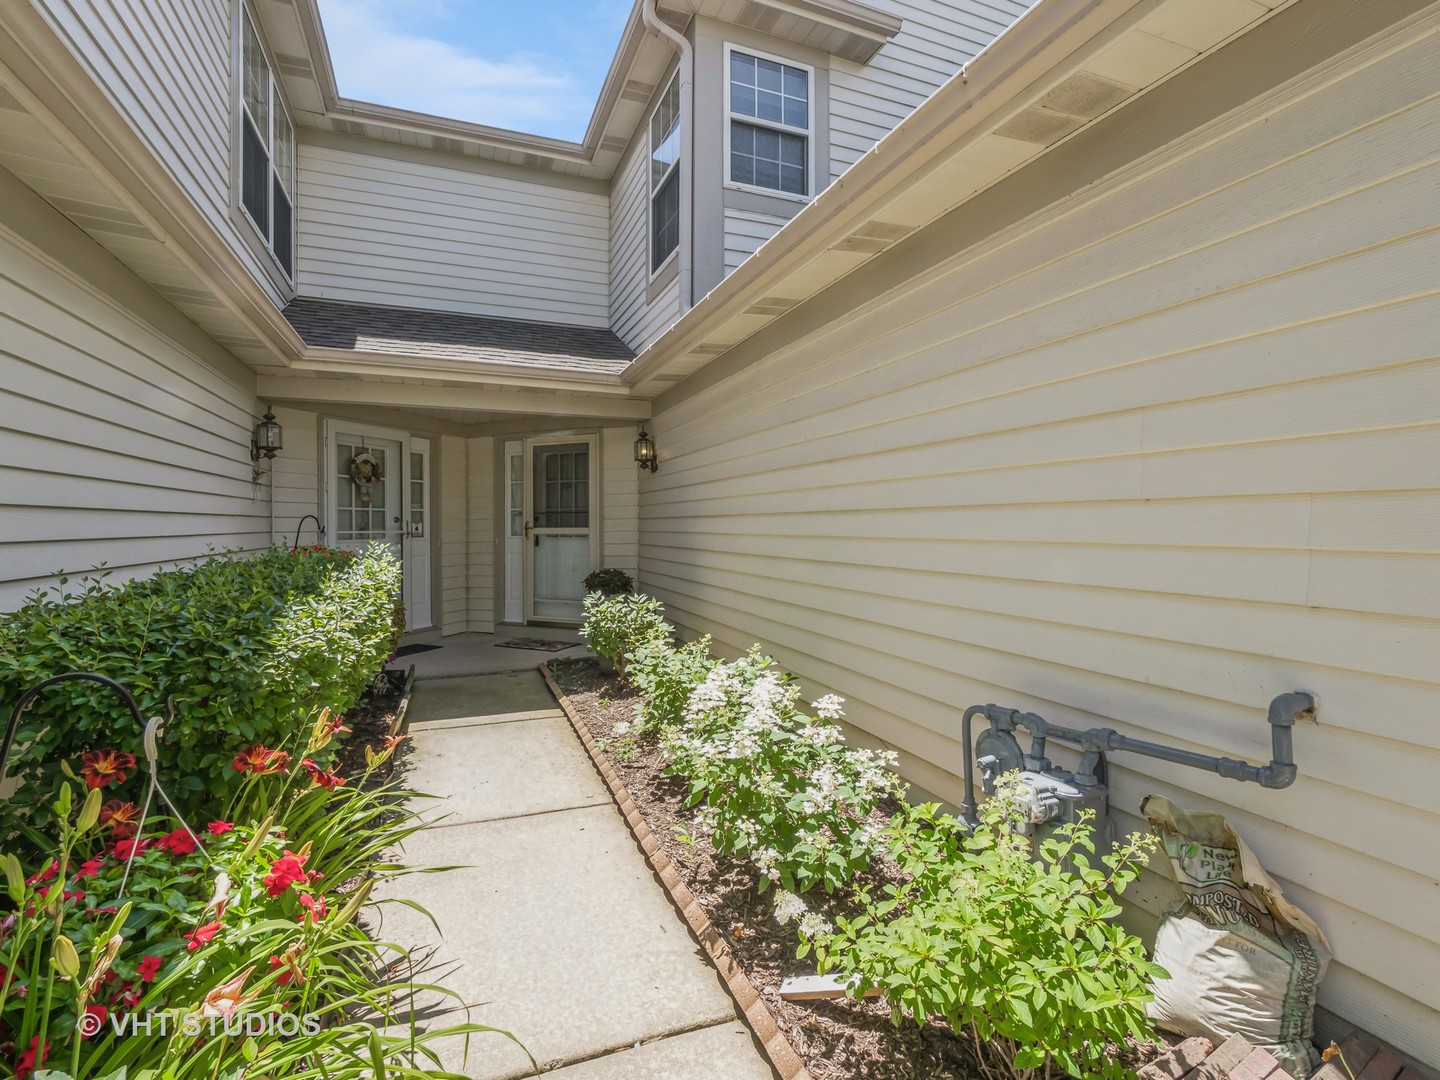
(665, 176)
(267, 152)
(770, 127)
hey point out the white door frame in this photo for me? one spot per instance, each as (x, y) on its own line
(329, 472)
(593, 440)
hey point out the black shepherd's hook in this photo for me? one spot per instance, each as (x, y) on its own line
(29, 696)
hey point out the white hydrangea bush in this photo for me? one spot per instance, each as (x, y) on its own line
(779, 787)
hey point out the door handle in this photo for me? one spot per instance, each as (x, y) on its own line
(527, 530)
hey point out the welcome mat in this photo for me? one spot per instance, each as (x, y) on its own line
(537, 643)
(411, 650)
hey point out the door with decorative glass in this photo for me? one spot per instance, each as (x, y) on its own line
(561, 509)
(377, 490)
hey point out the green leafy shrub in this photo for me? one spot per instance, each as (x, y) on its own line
(248, 648)
(609, 582)
(617, 626)
(665, 676)
(779, 788)
(1017, 948)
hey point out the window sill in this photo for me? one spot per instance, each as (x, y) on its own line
(769, 193)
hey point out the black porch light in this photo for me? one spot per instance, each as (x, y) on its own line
(645, 452)
(266, 438)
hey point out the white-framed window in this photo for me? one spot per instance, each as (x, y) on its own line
(665, 176)
(768, 135)
(267, 150)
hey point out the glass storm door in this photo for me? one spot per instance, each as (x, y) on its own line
(417, 538)
(561, 500)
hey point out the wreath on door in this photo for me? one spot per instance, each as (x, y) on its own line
(365, 473)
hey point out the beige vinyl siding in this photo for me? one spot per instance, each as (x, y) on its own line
(379, 229)
(295, 476)
(117, 444)
(935, 39)
(1146, 460)
(451, 509)
(634, 315)
(168, 68)
(619, 500)
(744, 233)
(480, 565)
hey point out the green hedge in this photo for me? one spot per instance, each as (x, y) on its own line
(248, 647)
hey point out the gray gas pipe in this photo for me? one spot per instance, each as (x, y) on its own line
(1060, 795)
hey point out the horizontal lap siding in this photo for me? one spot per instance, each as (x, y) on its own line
(633, 315)
(935, 39)
(116, 446)
(167, 67)
(454, 540)
(619, 499)
(378, 230)
(480, 564)
(745, 233)
(1146, 460)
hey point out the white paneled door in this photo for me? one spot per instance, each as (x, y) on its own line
(378, 490)
(561, 496)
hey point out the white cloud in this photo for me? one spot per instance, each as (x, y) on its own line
(379, 62)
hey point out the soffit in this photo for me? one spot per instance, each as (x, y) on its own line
(1057, 70)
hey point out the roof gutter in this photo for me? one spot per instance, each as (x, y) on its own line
(650, 12)
(1031, 48)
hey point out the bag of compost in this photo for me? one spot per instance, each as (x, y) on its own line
(1242, 959)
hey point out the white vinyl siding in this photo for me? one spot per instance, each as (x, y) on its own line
(632, 314)
(169, 69)
(935, 39)
(744, 233)
(480, 560)
(295, 477)
(381, 230)
(117, 446)
(1147, 460)
(619, 499)
(454, 540)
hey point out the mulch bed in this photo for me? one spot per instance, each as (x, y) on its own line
(837, 1040)
(369, 723)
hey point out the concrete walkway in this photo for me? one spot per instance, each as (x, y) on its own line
(555, 929)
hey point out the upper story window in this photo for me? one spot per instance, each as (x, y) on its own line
(770, 127)
(267, 152)
(665, 176)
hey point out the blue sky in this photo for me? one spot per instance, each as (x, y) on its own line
(532, 66)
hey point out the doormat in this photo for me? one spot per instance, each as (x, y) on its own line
(411, 650)
(537, 643)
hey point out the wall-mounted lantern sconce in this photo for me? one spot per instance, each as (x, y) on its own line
(266, 438)
(645, 452)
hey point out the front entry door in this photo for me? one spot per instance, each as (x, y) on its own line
(379, 491)
(560, 497)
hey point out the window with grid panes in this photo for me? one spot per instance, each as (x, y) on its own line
(267, 151)
(769, 124)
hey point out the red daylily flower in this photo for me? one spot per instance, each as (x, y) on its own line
(44, 875)
(220, 828)
(101, 1014)
(284, 872)
(315, 909)
(179, 842)
(124, 848)
(91, 867)
(102, 767)
(148, 968)
(27, 1061)
(120, 817)
(321, 778)
(201, 935)
(260, 760)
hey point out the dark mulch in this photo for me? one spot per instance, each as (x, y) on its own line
(369, 723)
(838, 1040)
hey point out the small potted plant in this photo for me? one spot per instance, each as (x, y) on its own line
(609, 582)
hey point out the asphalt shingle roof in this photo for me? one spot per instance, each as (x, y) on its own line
(446, 335)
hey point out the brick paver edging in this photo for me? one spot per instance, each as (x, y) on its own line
(756, 1013)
